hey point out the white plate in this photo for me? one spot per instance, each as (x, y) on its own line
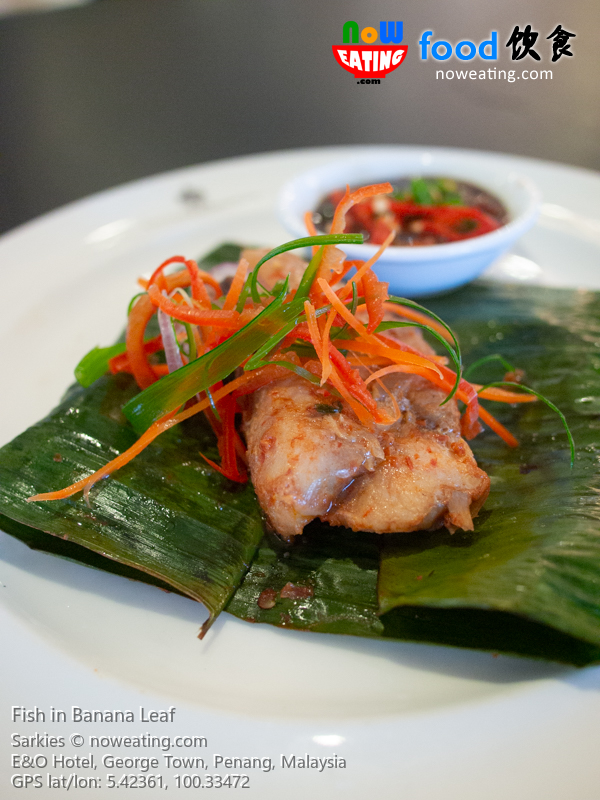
(412, 721)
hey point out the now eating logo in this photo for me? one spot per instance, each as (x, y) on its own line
(371, 60)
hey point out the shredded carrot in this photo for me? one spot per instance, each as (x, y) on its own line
(346, 290)
(498, 428)
(346, 267)
(345, 379)
(310, 227)
(248, 315)
(356, 385)
(442, 383)
(140, 316)
(467, 393)
(333, 258)
(259, 378)
(361, 412)
(397, 355)
(376, 293)
(199, 293)
(217, 318)
(313, 327)
(208, 279)
(200, 344)
(418, 316)
(485, 415)
(366, 406)
(407, 368)
(503, 395)
(158, 427)
(121, 363)
(153, 431)
(159, 270)
(363, 415)
(351, 198)
(237, 284)
(366, 338)
(470, 426)
(359, 361)
(327, 366)
(330, 267)
(423, 366)
(469, 422)
(374, 361)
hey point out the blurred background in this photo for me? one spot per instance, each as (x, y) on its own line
(93, 94)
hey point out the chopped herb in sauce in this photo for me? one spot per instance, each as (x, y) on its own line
(327, 408)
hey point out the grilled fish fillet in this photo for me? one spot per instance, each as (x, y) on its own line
(310, 457)
(303, 452)
(428, 478)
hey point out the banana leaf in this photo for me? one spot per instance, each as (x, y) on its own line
(526, 581)
(167, 514)
(342, 579)
(536, 548)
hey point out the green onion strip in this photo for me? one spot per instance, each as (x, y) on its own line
(545, 400)
(307, 241)
(455, 354)
(486, 360)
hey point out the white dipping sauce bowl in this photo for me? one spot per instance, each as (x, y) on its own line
(428, 269)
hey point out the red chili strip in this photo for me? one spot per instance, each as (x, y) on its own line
(227, 441)
(121, 362)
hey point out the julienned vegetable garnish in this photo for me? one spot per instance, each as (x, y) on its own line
(318, 331)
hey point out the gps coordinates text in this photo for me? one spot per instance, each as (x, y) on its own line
(150, 758)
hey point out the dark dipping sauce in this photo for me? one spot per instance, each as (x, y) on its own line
(425, 211)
